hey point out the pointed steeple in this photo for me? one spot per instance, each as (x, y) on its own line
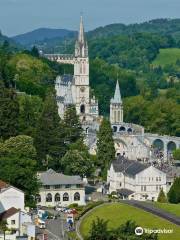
(81, 46)
(81, 31)
(117, 94)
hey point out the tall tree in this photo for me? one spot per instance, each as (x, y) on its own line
(18, 165)
(30, 108)
(77, 161)
(162, 197)
(9, 112)
(174, 192)
(72, 125)
(49, 138)
(105, 145)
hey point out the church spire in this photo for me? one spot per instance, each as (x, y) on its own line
(117, 94)
(81, 47)
(81, 31)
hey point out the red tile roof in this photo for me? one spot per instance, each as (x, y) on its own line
(3, 184)
(8, 213)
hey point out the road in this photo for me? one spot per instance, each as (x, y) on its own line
(154, 210)
(56, 228)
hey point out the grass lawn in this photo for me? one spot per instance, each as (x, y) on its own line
(167, 56)
(118, 213)
(168, 207)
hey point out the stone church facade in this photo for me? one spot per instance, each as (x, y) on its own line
(130, 139)
(75, 89)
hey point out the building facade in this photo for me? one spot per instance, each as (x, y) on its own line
(13, 212)
(60, 190)
(133, 180)
(75, 89)
(10, 197)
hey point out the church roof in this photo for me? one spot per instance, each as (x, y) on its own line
(117, 94)
(65, 79)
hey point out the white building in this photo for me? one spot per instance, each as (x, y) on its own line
(10, 197)
(19, 222)
(59, 189)
(133, 180)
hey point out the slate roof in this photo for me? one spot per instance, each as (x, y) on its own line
(130, 167)
(51, 177)
(66, 78)
(117, 94)
(124, 192)
(8, 213)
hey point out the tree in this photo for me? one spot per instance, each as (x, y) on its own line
(105, 145)
(21, 146)
(30, 108)
(72, 125)
(126, 231)
(99, 230)
(9, 112)
(162, 197)
(77, 160)
(21, 173)
(18, 165)
(49, 137)
(3, 228)
(174, 192)
(176, 154)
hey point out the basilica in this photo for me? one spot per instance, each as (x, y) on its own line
(130, 139)
(75, 89)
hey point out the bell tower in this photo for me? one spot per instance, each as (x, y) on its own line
(116, 107)
(81, 73)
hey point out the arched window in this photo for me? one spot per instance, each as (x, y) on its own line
(38, 198)
(76, 196)
(114, 129)
(49, 197)
(65, 197)
(122, 129)
(82, 108)
(129, 130)
(57, 197)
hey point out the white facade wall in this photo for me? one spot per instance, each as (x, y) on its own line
(146, 185)
(43, 193)
(11, 197)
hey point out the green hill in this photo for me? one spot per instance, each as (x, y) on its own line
(167, 56)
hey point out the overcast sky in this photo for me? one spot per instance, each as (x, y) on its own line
(20, 16)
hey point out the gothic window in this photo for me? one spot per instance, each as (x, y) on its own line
(57, 197)
(49, 197)
(82, 109)
(119, 116)
(80, 68)
(38, 198)
(65, 197)
(84, 68)
(76, 196)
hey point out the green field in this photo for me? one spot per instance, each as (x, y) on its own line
(168, 207)
(167, 56)
(118, 213)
